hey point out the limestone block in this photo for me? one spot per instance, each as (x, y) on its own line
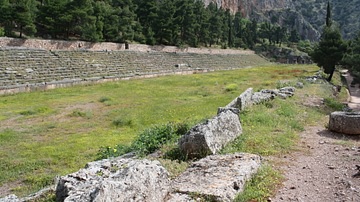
(213, 135)
(10, 198)
(243, 101)
(219, 177)
(345, 122)
(118, 179)
(259, 97)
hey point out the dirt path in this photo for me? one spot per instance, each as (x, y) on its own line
(354, 101)
(323, 168)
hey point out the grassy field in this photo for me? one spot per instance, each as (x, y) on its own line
(44, 134)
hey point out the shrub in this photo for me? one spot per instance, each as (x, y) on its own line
(153, 138)
(231, 87)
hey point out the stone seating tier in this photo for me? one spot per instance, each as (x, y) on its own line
(33, 66)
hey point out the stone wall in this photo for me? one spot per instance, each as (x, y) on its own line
(63, 63)
(108, 46)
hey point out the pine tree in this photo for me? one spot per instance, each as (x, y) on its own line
(215, 23)
(6, 12)
(328, 15)
(202, 27)
(24, 15)
(331, 48)
(147, 12)
(165, 28)
(50, 19)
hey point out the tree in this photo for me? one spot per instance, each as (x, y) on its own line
(6, 11)
(147, 12)
(215, 23)
(330, 50)
(52, 20)
(165, 28)
(24, 16)
(202, 28)
(328, 15)
(185, 19)
(352, 57)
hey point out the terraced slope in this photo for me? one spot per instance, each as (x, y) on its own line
(20, 67)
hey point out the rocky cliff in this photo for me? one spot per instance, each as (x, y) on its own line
(306, 16)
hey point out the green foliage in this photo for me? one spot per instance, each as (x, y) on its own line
(104, 99)
(80, 113)
(153, 138)
(261, 186)
(329, 51)
(231, 87)
(352, 57)
(33, 111)
(181, 23)
(305, 46)
(121, 122)
(331, 48)
(117, 150)
(147, 141)
(334, 104)
(2, 32)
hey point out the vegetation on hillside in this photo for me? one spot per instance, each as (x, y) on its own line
(330, 50)
(345, 14)
(167, 22)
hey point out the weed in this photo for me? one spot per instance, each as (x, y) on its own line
(117, 150)
(261, 186)
(147, 141)
(79, 113)
(33, 111)
(153, 138)
(174, 167)
(231, 87)
(104, 99)
(333, 104)
(7, 135)
(121, 122)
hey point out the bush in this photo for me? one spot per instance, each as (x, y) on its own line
(153, 138)
(148, 141)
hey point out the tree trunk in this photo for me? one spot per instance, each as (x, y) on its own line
(331, 75)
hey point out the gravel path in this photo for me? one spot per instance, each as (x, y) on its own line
(325, 166)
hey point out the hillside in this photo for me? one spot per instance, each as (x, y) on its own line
(306, 16)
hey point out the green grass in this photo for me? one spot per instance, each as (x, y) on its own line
(44, 134)
(261, 186)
